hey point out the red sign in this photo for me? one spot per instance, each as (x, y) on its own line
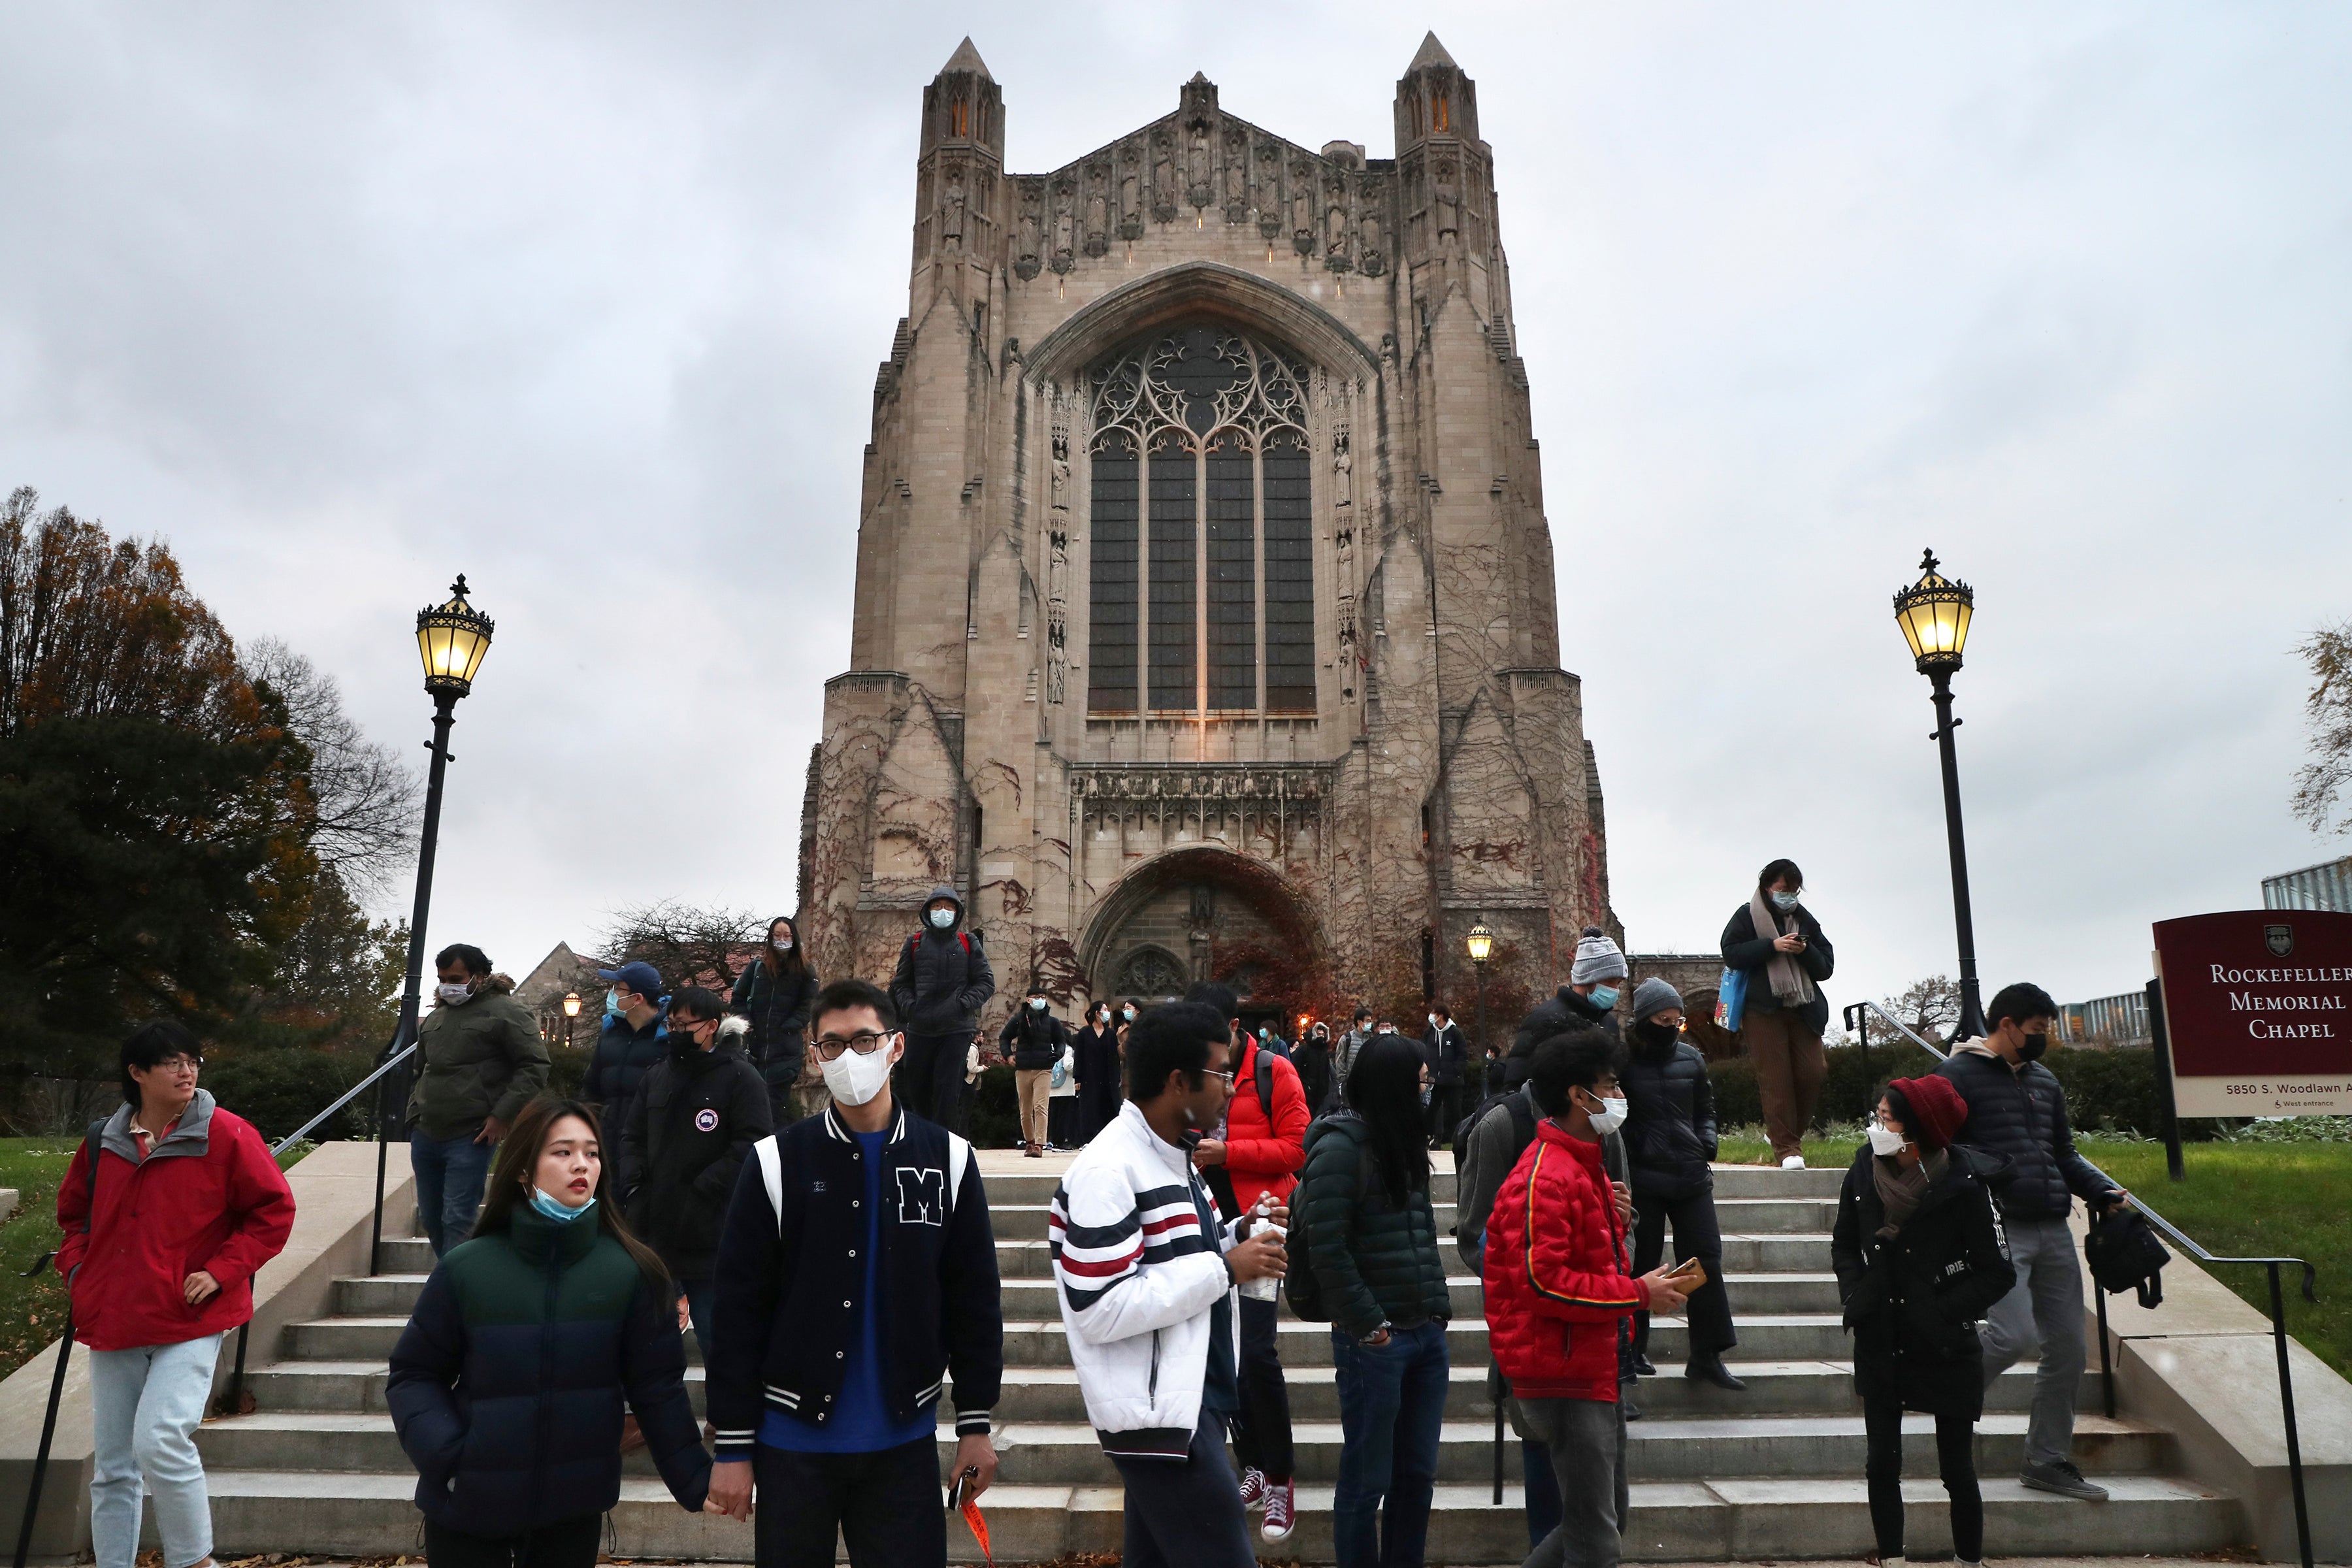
(2258, 1007)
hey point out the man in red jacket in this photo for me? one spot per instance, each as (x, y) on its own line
(1557, 1293)
(189, 1204)
(1257, 1157)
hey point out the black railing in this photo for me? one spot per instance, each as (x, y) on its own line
(231, 1403)
(2181, 1239)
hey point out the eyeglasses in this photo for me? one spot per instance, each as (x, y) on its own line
(830, 1046)
(1212, 1072)
(174, 1064)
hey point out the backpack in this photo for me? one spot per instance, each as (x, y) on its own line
(2124, 1254)
(1523, 1120)
(1300, 1286)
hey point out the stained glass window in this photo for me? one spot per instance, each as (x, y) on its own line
(1110, 642)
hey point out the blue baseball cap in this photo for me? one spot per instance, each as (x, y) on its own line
(640, 977)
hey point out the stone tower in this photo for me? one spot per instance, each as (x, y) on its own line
(1205, 620)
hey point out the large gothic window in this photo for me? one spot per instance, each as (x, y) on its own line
(1202, 589)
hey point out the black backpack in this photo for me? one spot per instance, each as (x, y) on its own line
(2124, 1254)
(1300, 1286)
(1523, 1120)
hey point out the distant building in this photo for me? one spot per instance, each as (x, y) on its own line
(2119, 1020)
(561, 974)
(1697, 976)
(2322, 886)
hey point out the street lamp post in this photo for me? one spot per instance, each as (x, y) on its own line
(1481, 944)
(571, 1015)
(1934, 613)
(451, 637)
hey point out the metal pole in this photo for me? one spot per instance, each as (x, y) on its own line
(1485, 1086)
(2286, 1405)
(49, 1432)
(2106, 1363)
(1499, 1452)
(1971, 1024)
(444, 704)
(232, 1400)
(2167, 1114)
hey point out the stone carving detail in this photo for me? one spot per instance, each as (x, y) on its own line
(1196, 161)
(1447, 198)
(1343, 464)
(1065, 192)
(1163, 174)
(1026, 253)
(1098, 209)
(1270, 190)
(1236, 174)
(951, 207)
(1370, 249)
(1057, 545)
(1343, 551)
(1334, 221)
(1108, 786)
(1246, 384)
(1151, 972)
(1130, 191)
(1302, 208)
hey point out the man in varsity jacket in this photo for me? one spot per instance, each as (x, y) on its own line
(856, 1268)
(1146, 1277)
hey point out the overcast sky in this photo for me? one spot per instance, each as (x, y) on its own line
(585, 301)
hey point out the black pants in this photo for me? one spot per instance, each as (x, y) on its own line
(1262, 1425)
(929, 1078)
(1445, 1111)
(1061, 1120)
(1188, 1511)
(888, 1506)
(1956, 1459)
(1696, 1236)
(566, 1544)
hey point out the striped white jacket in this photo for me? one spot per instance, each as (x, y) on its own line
(1137, 1278)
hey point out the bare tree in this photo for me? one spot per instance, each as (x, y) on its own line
(690, 945)
(365, 798)
(1931, 1008)
(2319, 784)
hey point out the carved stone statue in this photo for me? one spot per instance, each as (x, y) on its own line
(951, 209)
(1098, 210)
(1447, 198)
(1335, 220)
(1163, 176)
(1130, 191)
(1196, 162)
(1064, 226)
(1025, 257)
(1236, 174)
(1343, 470)
(1302, 208)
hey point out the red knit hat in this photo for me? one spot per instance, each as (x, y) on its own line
(1936, 1109)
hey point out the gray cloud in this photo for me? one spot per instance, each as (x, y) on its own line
(585, 301)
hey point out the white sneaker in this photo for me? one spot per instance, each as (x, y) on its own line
(1793, 1162)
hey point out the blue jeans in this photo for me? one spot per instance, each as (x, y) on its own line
(449, 1176)
(145, 1404)
(1391, 1409)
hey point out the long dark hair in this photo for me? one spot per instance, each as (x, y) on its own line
(518, 1162)
(1384, 1088)
(793, 964)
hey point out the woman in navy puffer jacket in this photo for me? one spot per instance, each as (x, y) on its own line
(508, 1384)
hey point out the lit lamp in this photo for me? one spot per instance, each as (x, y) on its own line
(451, 638)
(1934, 613)
(1481, 943)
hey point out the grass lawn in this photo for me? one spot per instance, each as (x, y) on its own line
(2239, 1200)
(32, 1311)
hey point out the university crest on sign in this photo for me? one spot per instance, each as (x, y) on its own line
(2279, 940)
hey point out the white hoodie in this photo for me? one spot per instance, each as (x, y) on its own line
(1137, 1278)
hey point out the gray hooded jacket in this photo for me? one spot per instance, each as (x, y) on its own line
(943, 978)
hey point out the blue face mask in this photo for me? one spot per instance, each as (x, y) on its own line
(1603, 997)
(550, 1209)
(1784, 902)
(612, 1001)
(942, 919)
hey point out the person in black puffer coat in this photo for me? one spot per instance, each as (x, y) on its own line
(943, 981)
(697, 1115)
(775, 991)
(1589, 1001)
(2016, 1110)
(1035, 1040)
(508, 1385)
(1670, 1141)
(1919, 1262)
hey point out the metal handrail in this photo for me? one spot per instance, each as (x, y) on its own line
(2182, 1239)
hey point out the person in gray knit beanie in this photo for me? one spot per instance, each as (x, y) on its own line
(1597, 959)
(1653, 995)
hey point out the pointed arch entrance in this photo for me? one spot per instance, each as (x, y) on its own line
(1204, 913)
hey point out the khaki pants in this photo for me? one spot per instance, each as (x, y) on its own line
(1034, 1090)
(1789, 1070)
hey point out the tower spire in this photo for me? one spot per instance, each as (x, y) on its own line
(1431, 53)
(967, 58)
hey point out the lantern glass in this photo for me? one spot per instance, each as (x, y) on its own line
(451, 638)
(1934, 613)
(1481, 942)
(571, 1004)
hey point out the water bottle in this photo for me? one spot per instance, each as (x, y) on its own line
(1270, 1288)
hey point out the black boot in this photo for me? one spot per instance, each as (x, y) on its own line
(1710, 1369)
(1642, 1367)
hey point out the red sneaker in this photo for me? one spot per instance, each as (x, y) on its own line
(1253, 1486)
(1280, 1516)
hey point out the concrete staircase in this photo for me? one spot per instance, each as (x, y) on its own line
(1773, 1473)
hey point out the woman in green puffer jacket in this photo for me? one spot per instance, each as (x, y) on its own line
(1372, 1238)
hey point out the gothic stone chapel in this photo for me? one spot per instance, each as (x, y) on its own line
(1204, 621)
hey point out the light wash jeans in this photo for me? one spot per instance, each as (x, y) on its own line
(145, 1404)
(2041, 1313)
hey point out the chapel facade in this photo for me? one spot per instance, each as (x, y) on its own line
(1204, 622)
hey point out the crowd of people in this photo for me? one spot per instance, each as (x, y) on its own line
(833, 1253)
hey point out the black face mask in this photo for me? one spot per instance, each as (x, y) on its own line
(1662, 1035)
(2030, 1048)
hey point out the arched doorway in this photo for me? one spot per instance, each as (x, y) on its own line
(1204, 913)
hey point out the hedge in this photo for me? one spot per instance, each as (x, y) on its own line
(278, 1089)
(2106, 1090)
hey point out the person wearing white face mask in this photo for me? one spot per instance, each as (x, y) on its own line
(481, 1060)
(1777, 943)
(856, 1274)
(941, 982)
(1035, 1040)
(1447, 1053)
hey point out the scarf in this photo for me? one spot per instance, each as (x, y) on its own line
(1903, 1188)
(1791, 986)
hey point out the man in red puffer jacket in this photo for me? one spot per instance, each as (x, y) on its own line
(1556, 1292)
(1261, 1149)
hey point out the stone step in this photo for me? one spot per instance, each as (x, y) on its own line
(323, 1512)
(1742, 1216)
(1068, 1452)
(1037, 1186)
(1051, 1393)
(1751, 1294)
